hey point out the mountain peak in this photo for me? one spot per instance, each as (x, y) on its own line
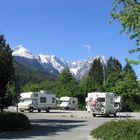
(22, 52)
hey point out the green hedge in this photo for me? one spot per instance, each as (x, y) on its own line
(118, 130)
(12, 121)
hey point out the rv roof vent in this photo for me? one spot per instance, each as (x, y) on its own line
(45, 91)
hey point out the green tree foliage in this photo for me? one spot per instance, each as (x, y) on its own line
(112, 71)
(128, 87)
(66, 84)
(27, 75)
(6, 70)
(113, 66)
(127, 12)
(96, 73)
(86, 85)
(139, 82)
(46, 85)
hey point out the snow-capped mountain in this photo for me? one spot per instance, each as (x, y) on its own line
(79, 68)
(51, 63)
(22, 52)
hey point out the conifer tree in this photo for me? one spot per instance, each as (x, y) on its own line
(6, 70)
(96, 74)
(112, 72)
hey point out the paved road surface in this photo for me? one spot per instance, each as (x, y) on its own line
(62, 125)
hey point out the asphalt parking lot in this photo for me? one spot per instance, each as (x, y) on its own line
(62, 124)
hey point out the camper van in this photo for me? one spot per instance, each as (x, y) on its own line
(37, 101)
(102, 103)
(68, 103)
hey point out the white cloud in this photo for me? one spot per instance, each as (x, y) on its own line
(88, 47)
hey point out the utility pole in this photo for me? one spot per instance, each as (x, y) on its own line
(104, 76)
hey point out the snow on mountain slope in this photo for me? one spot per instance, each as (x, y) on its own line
(53, 64)
(21, 51)
(79, 68)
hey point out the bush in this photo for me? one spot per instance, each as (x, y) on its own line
(118, 130)
(12, 121)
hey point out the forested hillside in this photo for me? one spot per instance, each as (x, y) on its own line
(27, 75)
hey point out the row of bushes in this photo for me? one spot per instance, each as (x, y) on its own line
(12, 121)
(118, 130)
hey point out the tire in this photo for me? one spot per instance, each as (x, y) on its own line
(39, 110)
(94, 115)
(48, 110)
(21, 110)
(31, 109)
(67, 108)
(107, 115)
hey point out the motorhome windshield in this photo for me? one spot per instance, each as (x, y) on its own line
(27, 101)
(65, 102)
(21, 100)
(100, 99)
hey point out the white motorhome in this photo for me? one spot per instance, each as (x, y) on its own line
(68, 103)
(37, 101)
(102, 103)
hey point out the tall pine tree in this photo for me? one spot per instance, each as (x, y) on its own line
(112, 72)
(96, 74)
(6, 70)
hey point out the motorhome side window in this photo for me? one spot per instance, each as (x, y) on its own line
(73, 102)
(42, 99)
(35, 95)
(101, 99)
(53, 100)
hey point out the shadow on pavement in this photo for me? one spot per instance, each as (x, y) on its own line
(43, 127)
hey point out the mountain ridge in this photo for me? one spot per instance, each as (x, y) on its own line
(51, 63)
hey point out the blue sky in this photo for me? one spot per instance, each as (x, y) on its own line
(69, 29)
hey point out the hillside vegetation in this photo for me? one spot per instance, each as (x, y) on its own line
(27, 75)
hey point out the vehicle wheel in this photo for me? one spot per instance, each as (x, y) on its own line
(115, 114)
(107, 115)
(39, 110)
(47, 110)
(31, 109)
(94, 115)
(67, 108)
